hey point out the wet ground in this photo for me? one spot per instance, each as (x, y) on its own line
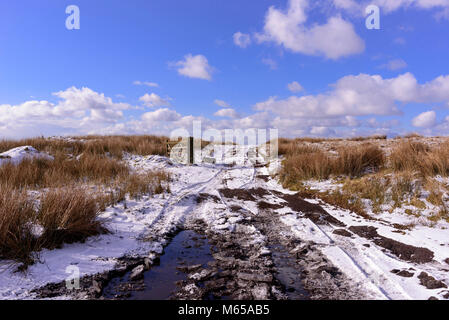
(287, 272)
(187, 250)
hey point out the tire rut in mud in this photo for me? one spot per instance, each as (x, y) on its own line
(299, 267)
(239, 271)
(259, 259)
(319, 278)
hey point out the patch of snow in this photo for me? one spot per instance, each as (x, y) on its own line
(19, 154)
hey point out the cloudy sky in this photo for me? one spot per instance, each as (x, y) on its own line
(307, 68)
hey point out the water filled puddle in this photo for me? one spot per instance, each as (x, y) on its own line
(186, 249)
(287, 273)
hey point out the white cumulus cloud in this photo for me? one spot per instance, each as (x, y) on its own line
(227, 113)
(153, 100)
(242, 40)
(425, 120)
(361, 95)
(195, 67)
(395, 64)
(334, 39)
(78, 111)
(221, 103)
(295, 87)
(161, 115)
(146, 83)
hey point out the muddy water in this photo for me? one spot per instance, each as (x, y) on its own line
(186, 249)
(287, 272)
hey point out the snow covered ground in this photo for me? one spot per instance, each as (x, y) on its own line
(370, 263)
(18, 154)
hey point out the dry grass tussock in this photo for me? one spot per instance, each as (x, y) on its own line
(67, 216)
(312, 163)
(82, 180)
(43, 173)
(98, 145)
(16, 217)
(62, 216)
(391, 180)
(138, 184)
(290, 146)
(418, 157)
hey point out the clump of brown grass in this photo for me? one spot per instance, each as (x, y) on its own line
(353, 161)
(152, 182)
(43, 173)
(380, 189)
(296, 146)
(407, 155)
(116, 145)
(296, 168)
(419, 157)
(404, 185)
(437, 161)
(371, 187)
(100, 145)
(67, 213)
(394, 181)
(306, 163)
(67, 216)
(16, 216)
(374, 137)
(135, 186)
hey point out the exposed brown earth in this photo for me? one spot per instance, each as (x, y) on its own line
(401, 250)
(430, 282)
(342, 232)
(310, 210)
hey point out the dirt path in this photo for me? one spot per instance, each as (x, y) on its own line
(254, 256)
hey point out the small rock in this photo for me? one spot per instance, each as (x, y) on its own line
(222, 226)
(188, 269)
(405, 274)
(342, 232)
(260, 292)
(430, 282)
(137, 273)
(235, 219)
(147, 263)
(199, 276)
(255, 277)
(221, 221)
(157, 248)
(97, 287)
(402, 273)
(191, 288)
(153, 257)
(215, 284)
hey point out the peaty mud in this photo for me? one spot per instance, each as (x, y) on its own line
(188, 251)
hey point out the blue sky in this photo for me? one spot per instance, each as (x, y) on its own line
(138, 67)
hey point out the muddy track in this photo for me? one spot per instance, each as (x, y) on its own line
(259, 258)
(308, 274)
(299, 267)
(253, 253)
